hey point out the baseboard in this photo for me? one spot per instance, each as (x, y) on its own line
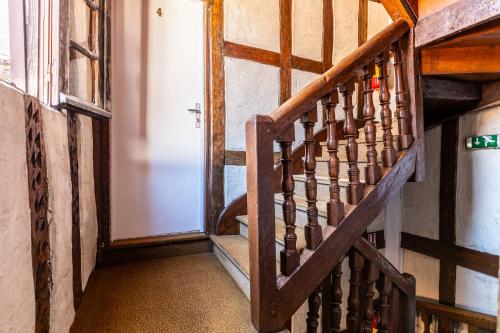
(138, 249)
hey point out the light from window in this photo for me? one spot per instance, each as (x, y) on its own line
(4, 41)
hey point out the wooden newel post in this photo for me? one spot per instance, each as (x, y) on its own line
(355, 189)
(404, 138)
(313, 231)
(261, 225)
(289, 256)
(411, 313)
(335, 207)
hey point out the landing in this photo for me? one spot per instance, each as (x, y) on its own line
(179, 294)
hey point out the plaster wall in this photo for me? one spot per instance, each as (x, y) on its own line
(17, 303)
(58, 172)
(16, 273)
(477, 214)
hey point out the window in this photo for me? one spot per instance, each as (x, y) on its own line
(83, 56)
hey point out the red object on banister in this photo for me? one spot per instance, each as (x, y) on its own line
(375, 83)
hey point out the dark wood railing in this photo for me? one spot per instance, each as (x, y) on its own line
(275, 298)
(432, 311)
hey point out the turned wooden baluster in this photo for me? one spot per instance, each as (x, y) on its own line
(355, 188)
(353, 302)
(372, 277)
(335, 207)
(314, 302)
(289, 256)
(337, 298)
(404, 138)
(427, 320)
(373, 172)
(312, 230)
(384, 287)
(445, 325)
(388, 153)
(471, 329)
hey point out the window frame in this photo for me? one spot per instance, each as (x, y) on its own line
(98, 52)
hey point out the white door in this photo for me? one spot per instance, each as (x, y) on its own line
(160, 173)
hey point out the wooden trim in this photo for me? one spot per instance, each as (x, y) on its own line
(156, 247)
(455, 18)
(83, 107)
(285, 50)
(328, 35)
(413, 78)
(102, 168)
(72, 119)
(38, 204)
(157, 240)
(216, 118)
(477, 319)
(447, 207)
(266, 57)
(471, 259)
(400, 9)
(239, 51)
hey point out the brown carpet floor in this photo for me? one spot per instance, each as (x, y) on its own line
(179, 294)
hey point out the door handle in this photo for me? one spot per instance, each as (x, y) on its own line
(197, 112)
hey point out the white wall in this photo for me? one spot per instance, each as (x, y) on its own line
(17, 303)
(477, 212)
(16, 272)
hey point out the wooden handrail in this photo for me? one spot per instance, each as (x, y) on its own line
(469, 317)
(227, 223)
(274, 300)
(290, 111)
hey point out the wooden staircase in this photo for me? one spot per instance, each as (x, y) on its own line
(284, 242)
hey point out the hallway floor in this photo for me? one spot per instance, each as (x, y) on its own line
(178, 294)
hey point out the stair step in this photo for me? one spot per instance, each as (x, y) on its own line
(322, 168)
(362, 148)
(301, 211)
(323, 192)
(280, 233)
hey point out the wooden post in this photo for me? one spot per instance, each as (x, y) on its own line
(261, 220)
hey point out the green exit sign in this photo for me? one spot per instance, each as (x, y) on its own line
(483, 141)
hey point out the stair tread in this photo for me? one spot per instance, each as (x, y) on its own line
(324, 180)
(280, 231)
(301, 203)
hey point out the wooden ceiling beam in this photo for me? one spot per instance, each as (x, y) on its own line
(483, 59)
(405, 9)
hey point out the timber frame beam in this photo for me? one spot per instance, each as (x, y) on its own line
(217, 48)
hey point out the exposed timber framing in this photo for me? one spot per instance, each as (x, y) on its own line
(215, 126)
(362, 38)
(403, 9)
(38, 203)
(457, 17)
(447, 208)
(285, 50)
(471, 259)
(75, 208)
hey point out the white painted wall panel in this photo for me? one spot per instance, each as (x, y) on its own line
(426, 272)
(476, 291)
(254, 23)
(346, 28)
(235, 182)
(88, 214)
(478, 185)
(17, 303)
(251, 88)
(421, 200)
(58, 172)
(307, 28)
(378, 18)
